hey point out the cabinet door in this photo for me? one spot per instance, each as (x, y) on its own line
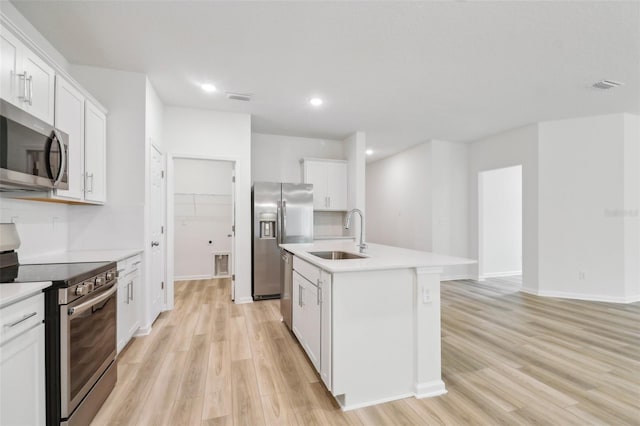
(40, 86)
(325, 328)
(22, 388)
(9, 63)
(70, 119)
(311, 304)
(95, 154)
(337, 184)
(315, 173)
(298, 318)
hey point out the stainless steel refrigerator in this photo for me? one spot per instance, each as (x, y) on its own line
(282, 213)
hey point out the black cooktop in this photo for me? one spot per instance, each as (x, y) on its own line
(61, 274)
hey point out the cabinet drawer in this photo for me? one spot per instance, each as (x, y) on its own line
(21, 316)
(129, 265)
(307, 270)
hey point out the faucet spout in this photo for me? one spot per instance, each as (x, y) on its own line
(347, 225)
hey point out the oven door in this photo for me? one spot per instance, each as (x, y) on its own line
(87, 346)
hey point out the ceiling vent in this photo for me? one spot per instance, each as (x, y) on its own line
(606, 84)
(238, 96)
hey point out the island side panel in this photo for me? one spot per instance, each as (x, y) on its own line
(428, 363)
(373, 336)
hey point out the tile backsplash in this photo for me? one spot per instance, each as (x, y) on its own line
(329, 224)
(42, 227)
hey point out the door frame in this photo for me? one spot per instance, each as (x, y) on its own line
(163, 236)
(170, 236)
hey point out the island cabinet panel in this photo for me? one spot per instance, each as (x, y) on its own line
(324, 288)
(373, 342)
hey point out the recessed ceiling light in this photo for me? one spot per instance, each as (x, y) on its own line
(369, 152)
(209, 88)
(315, 101)
(606, 84)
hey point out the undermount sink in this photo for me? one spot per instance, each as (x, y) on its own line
(336, 255)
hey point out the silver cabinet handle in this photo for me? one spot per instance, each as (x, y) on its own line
(138, 262)
(299, 295)
(23, 79)
(89, 176)
(30, 98)
(329, 198)
(129, 292)
(24, 318)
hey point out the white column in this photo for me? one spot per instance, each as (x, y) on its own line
(428, 365)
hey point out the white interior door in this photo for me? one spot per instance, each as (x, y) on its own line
(158, 246)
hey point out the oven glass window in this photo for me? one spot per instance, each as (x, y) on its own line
(93, 341)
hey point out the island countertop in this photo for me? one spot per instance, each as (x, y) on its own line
(378, 257)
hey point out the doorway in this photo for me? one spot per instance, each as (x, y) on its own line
(500, 223)
(202, 203)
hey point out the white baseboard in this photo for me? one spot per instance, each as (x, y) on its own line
(456, 277)
(241, 300)
(429, 389)
(349, 407)
(501, 274)
(143, 331)
(193, 277)
(582, 296)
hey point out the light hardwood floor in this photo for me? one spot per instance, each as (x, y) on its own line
(508, 358)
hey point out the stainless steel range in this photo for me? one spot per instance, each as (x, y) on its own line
(80, 333)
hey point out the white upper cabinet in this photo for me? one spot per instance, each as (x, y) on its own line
(26, 80)
(70, 119)
(95, 154)
(329, 180)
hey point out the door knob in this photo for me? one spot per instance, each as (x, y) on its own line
(155, 243)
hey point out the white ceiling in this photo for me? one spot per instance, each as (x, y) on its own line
(403, 72)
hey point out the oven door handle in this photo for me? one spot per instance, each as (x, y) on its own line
(90, 303)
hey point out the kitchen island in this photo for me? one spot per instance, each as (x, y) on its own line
(370, 325)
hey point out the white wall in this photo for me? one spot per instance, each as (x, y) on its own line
(398, 199)
(501, 222)
(355, 147)
(276, 158)
(581, 246)
(632, 206)
(510, 148)
(124, 95)
(203, 215)
(43, 227)
(450, 203)
(224, 136)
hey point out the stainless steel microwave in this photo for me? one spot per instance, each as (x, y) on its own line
(33, 154)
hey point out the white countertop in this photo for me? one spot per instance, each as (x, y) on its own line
(12, 292)
(328, 237)
(378, 257)
(82, 256)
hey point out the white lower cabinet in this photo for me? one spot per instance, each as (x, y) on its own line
(306, 317)
(22, 379)
(312, 321)
(128, 288)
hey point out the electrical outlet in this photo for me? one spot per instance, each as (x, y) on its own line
(582, 275)
(426, 295)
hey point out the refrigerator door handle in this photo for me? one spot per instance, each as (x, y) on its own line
(284, 222)
(278, 224)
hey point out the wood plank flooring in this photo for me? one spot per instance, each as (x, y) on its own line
(508, 358)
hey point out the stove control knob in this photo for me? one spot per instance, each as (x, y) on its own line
(99, 281)
(80, 290)
(110, 276)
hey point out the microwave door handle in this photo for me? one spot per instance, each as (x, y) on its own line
(63, 158)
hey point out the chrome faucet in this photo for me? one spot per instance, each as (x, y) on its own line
(347, 224)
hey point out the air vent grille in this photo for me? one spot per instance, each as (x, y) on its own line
(239, 96)
(606, 84)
